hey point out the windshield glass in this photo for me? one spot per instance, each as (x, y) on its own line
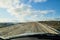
(28, 17)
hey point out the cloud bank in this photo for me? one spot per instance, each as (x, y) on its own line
(21, 10)
(37, 1)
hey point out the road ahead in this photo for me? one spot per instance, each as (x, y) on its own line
(25, 29)
(48, 29)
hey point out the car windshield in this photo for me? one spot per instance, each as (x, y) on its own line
(29, 17)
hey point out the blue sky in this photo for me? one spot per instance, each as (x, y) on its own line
(29, 10)
(50, 4)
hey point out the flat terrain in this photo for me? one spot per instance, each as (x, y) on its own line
(26, 29)
(53, 24)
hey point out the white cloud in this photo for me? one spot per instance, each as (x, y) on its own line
(47, 11)
(40, 0)
(20, 12)
(2, 20)
(23, 10)
(7, 3)
(37, 0)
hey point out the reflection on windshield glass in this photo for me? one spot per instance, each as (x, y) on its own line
(29, 17)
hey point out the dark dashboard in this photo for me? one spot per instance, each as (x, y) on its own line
(38, 36)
